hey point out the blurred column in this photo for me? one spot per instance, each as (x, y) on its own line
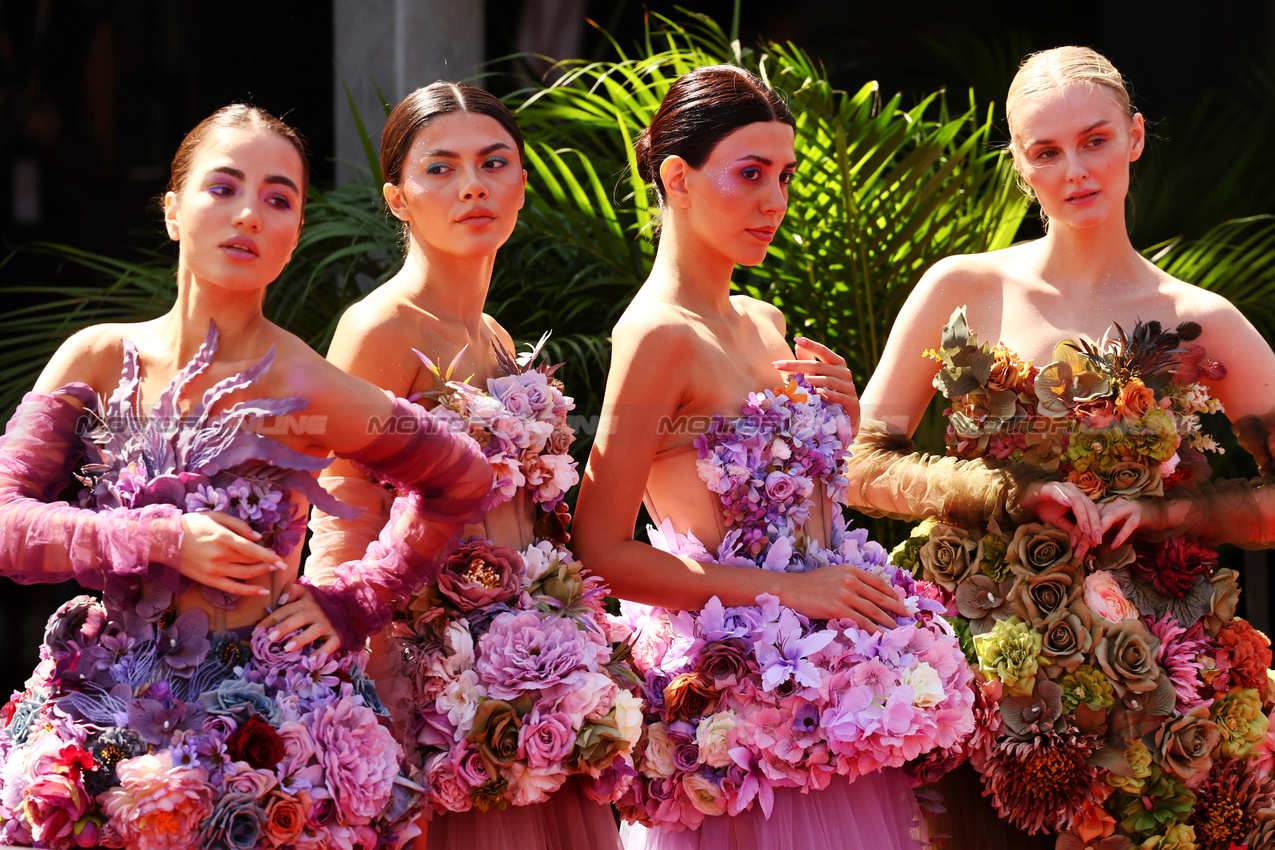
(398, 45)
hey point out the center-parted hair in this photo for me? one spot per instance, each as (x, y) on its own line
(424, 105)
(700, 109)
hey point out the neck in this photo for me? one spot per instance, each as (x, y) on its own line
(694, 274)
(1089, 257)
(237, 314)
(454, 288)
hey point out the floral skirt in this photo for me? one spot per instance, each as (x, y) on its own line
(163, 735)
(875, 812)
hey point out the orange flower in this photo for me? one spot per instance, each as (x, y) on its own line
(1135, 400)
(1089, 483)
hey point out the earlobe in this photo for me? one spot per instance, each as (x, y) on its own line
(171, 223)
(673, 173)
(394, 200)
(522, 199)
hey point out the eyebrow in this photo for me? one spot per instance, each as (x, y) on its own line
(446, 154)
(752, 157)
(276, 179)
(1094, 126)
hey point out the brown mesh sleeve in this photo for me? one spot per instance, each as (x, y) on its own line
(888, 478)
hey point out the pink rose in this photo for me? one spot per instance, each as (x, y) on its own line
(53, 803)
(545, 740)
(450, 792)
(529, 785)
(1105, 598)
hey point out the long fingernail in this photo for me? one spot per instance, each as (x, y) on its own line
(280, 565)
(289, 646)
(263, 591)
(273, 635)
(283, 597)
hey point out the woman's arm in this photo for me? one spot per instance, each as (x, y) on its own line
(647, 382)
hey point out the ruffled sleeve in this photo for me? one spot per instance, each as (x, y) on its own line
(887, 478)
(45, 541)
(440, 478)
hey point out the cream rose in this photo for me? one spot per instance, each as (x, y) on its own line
(1105, 598)
(714, 738)
(628, 716)
(704, 794)
(925, 681)
(657, 757)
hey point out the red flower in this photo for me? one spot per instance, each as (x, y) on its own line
(1045, 783)
(1173, 565)
(257, 743)
(1249, 654)
(73, 759)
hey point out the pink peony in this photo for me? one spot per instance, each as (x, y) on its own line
(531, 785)
(53, 803)
(359, 757)
(158, 805)
(1105, 598)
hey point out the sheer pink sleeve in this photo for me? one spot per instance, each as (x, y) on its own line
(1235, 511)
(42, 540)
(334, 540)
(441, 479)
(887, 478)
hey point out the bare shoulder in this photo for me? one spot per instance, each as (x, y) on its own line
(651, 320)
(93, 356)
(1197, 304)
(761, 312)
(497, 330)
(376, 316)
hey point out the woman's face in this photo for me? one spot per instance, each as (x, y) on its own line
(238, 216)
(736, 201)
(1073, 147)
(462, 185)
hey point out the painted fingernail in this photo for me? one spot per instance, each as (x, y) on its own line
(289, 646)
(263, 591)
(273, 635)
(283, 597)
(280, 565)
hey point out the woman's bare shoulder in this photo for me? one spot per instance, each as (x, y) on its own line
(93, 356)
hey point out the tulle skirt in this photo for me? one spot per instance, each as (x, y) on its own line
(875, 812)
(567, 821)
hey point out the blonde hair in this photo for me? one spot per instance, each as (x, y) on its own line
(1052, 69)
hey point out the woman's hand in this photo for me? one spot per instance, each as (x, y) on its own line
(841, 590)
(298, 612)
(1057, 502)
(1156, 516)
(826, 371)
(219, 551)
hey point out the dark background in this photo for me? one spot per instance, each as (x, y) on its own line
(95, 96)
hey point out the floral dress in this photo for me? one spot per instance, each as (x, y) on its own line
(148, 726)
(1122, 703)
(766, 728)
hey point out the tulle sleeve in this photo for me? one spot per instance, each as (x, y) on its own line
(1237, 511)
(45, 541)
(334, 540)
(440, 480)
(887, 478)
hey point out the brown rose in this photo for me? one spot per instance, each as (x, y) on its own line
(257, 743)
(688, 697)
(285, 818)
(1007, 369)
(1067, 636)
(725, 663)
(1226, 595)
(598, 744)
(1036, 547)
(1131, 479)
(1089, 483)
(561, 438)
(494, 734)
(1184, 744)
(480, 573)
(1126, 653)
(1135, 400)
(1036, 597)
(949, 555)
(1096, 413)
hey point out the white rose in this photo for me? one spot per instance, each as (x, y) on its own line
(713, 736)
(628, 716)
(925, 680)
(657, 758)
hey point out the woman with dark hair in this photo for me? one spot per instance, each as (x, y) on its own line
(498, 673)
(749, 742)
(199, 703)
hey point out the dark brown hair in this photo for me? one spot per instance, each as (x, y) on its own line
(700, 109)
(424, 105)
(235, 115)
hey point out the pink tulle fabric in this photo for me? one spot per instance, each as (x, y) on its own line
(45, 541)
(875, 812)
(568, 820)
(441, 479)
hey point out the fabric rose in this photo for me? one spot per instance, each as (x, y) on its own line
(480, 573)
(1067, 637)
(1135, 399)
(236, 823)
(715, 737)
(1095, 413)
(1185, 744)
(448, 790)
(1105, 598)
(1035, 597)
(523, 651)
(494, 734)
(1088, 483)
(628, 716)
(704, 794)
(1036, 547)
(725, 663)
(983, 601)
(545, 740)
(1130, 479)
(1223, 602)
(158, 805)
(657, 752)
(598, 743)
(52, 805)
(257, 743)
(285, 818)
(1007, 369)
(688, 697)
(950, 555)
(1126, 653)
